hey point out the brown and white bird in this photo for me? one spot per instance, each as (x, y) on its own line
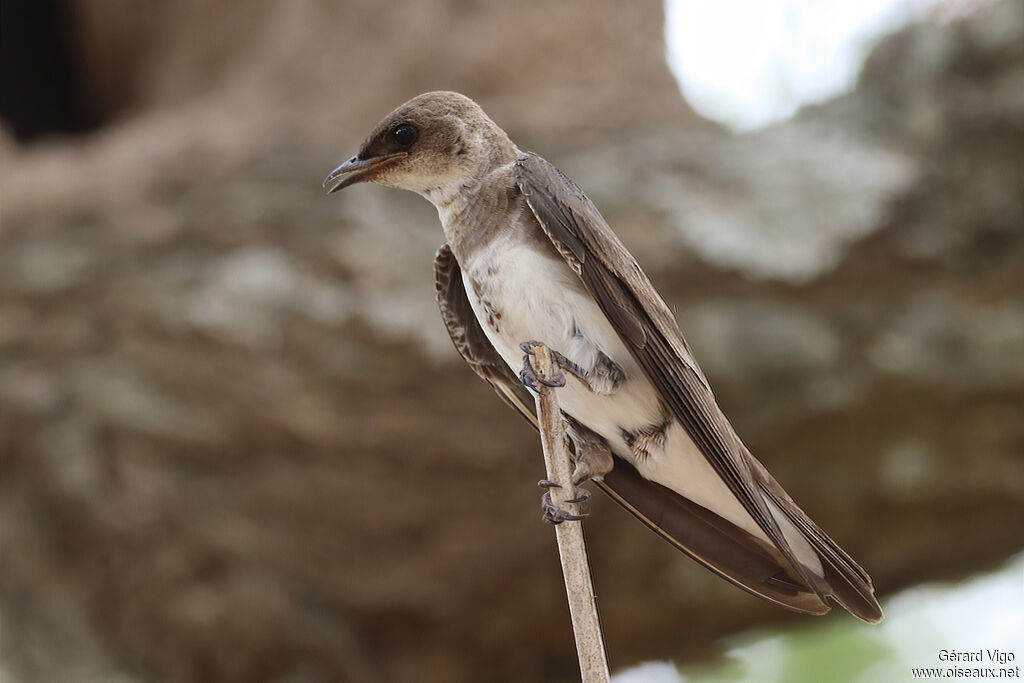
(529, 257)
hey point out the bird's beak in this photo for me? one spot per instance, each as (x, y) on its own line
(359, 170)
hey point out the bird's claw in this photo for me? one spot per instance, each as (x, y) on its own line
(529, 377)
(582, 495)
(556, 515)
(559, 361)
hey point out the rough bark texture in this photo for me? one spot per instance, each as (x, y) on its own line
(236, 446)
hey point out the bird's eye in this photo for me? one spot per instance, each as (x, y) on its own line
(405, 134)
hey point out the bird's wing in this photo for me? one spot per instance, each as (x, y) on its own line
(713, 541)
(469, 338)
(648, 329)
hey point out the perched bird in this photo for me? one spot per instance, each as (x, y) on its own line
(529, 257)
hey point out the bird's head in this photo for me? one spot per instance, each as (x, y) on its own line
(433, 144)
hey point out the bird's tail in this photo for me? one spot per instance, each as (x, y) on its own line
(743, 559)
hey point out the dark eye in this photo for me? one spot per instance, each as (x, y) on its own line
(405, 134)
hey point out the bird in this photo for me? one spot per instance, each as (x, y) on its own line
(528, 259)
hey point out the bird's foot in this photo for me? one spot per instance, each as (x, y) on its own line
(579, 495)
(529, 377)
(556, 515)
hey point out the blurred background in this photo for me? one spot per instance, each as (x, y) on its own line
(235, 441)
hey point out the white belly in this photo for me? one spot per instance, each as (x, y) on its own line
(539, 298)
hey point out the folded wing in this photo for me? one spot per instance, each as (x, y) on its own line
(711, 540)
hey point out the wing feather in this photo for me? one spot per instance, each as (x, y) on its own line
(716, 543)
(647, 327)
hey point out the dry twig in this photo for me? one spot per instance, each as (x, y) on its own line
(571, 547)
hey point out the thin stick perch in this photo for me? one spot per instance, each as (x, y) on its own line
(571, 547)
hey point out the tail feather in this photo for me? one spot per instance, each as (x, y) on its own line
(731, 552)
(844, 580)
(743, 559)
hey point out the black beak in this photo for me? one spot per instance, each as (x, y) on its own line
(359, 170)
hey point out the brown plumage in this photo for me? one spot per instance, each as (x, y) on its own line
(529, 256)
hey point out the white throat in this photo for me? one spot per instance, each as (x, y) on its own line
(451, 200)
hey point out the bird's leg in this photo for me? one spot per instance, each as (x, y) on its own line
(529, 377)
(593, 461)
(593, 455)
(604, 378)
(548, 413)
(552, 513)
